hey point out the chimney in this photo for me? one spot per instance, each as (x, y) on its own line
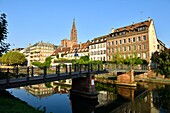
(149, 19)
(112, 30)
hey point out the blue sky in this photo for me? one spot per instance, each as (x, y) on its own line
(30, 21)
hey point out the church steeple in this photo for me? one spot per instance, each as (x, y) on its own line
(73, 35)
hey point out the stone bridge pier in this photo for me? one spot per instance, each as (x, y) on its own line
(84, 87)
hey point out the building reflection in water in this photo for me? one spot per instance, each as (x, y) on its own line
(47, 89)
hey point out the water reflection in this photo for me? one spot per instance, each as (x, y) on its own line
(146, 98)
(82, 105)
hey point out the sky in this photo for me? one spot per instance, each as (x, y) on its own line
(31, 21)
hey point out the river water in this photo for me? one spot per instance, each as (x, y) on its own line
(146, 98)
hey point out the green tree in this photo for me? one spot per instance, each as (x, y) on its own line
(13, 58)
(3, 34)
(47, 63)
(162, 59)
(117, 59)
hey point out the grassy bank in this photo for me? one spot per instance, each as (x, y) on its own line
(10, 104)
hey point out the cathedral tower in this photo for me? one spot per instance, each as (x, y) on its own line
(73, 35)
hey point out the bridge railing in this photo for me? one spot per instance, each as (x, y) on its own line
(20, 72)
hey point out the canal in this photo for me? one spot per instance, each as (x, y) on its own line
(55, 98)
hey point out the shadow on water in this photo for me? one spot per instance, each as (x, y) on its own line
(82, 105)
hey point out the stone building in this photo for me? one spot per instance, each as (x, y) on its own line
(73, 37)
(75, 51)
(139, 38)
(97, 48)
(40, 51)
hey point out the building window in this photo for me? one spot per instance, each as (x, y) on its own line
(144, 37)
(120, 49)
(129, 48)
(108, 57)
(124, 48)
(109, 50)
(104, 51)
(139, 55)
(134, 47)
(116, 49)
(112, 42)
(144, 55)
(108, 44)
(120, 41)
(124, 41)
(129, 40)
(138, 38)
(112, 49)
(116, 42)
(144, 46)
(139, 47)
(133, 40)
(157, 46)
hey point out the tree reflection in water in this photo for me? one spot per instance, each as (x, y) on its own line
(161, 99)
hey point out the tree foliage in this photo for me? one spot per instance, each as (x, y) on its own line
(162, 59)
(13, 58)
(132, 60)
(3, 34)
(47, 63)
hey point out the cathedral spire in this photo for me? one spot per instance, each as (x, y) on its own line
(73, 35)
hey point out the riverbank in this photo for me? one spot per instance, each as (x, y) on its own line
(154, 80)
(111, 79)
(11, 104)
